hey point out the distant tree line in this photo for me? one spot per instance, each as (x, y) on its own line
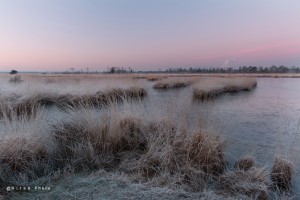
(241, 69)
(119, 70)
(110, 70)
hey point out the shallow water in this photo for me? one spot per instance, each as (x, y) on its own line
(263, 123)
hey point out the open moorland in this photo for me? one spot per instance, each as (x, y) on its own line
(132, 136)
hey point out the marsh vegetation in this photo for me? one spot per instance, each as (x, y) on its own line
(102, 132)
(209, 90)
(172, 83)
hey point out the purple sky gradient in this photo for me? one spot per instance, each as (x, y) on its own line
(158, 34)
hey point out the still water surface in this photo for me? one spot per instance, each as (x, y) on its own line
(263, 123)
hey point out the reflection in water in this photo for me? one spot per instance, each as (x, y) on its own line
(263, 123)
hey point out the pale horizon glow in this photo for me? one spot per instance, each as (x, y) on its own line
(58, 35)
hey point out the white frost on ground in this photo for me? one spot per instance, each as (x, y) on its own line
(113, 186)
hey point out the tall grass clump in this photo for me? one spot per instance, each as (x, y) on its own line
(211, 89)
(89, 142)
(18, 105)
(25, 149)
(172, 84)
(151, 149)
(245, 163)
(159, 150)
(101, 98)
(13, 109)
(282, 174)
(254, 182)
(179, 157)
(155, 77)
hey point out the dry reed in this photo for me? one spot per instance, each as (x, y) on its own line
(172, 84)
(159, 151)
(254, 183)
(210, 90)
(245, 163)
(159, 147)
(17, 105)
(282, 174)
(150, 77)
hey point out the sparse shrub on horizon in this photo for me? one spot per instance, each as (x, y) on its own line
(13, 71)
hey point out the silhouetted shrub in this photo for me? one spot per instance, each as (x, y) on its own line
(13, 71)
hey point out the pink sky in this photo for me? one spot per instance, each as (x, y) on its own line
(58, 35)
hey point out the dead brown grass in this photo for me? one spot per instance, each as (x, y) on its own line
(157, 151)
(151, 77)
(206, 151)
(209, 90)
(101, 98)
(10, 110)
(282, 174)
(130, 137)
(95, 142)
(245, 163)
(17, 106)
(207, 95)
(172, 84)
(254, 183)
(159, 148)
(155, 77)
(173, 151)
(19, 152)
